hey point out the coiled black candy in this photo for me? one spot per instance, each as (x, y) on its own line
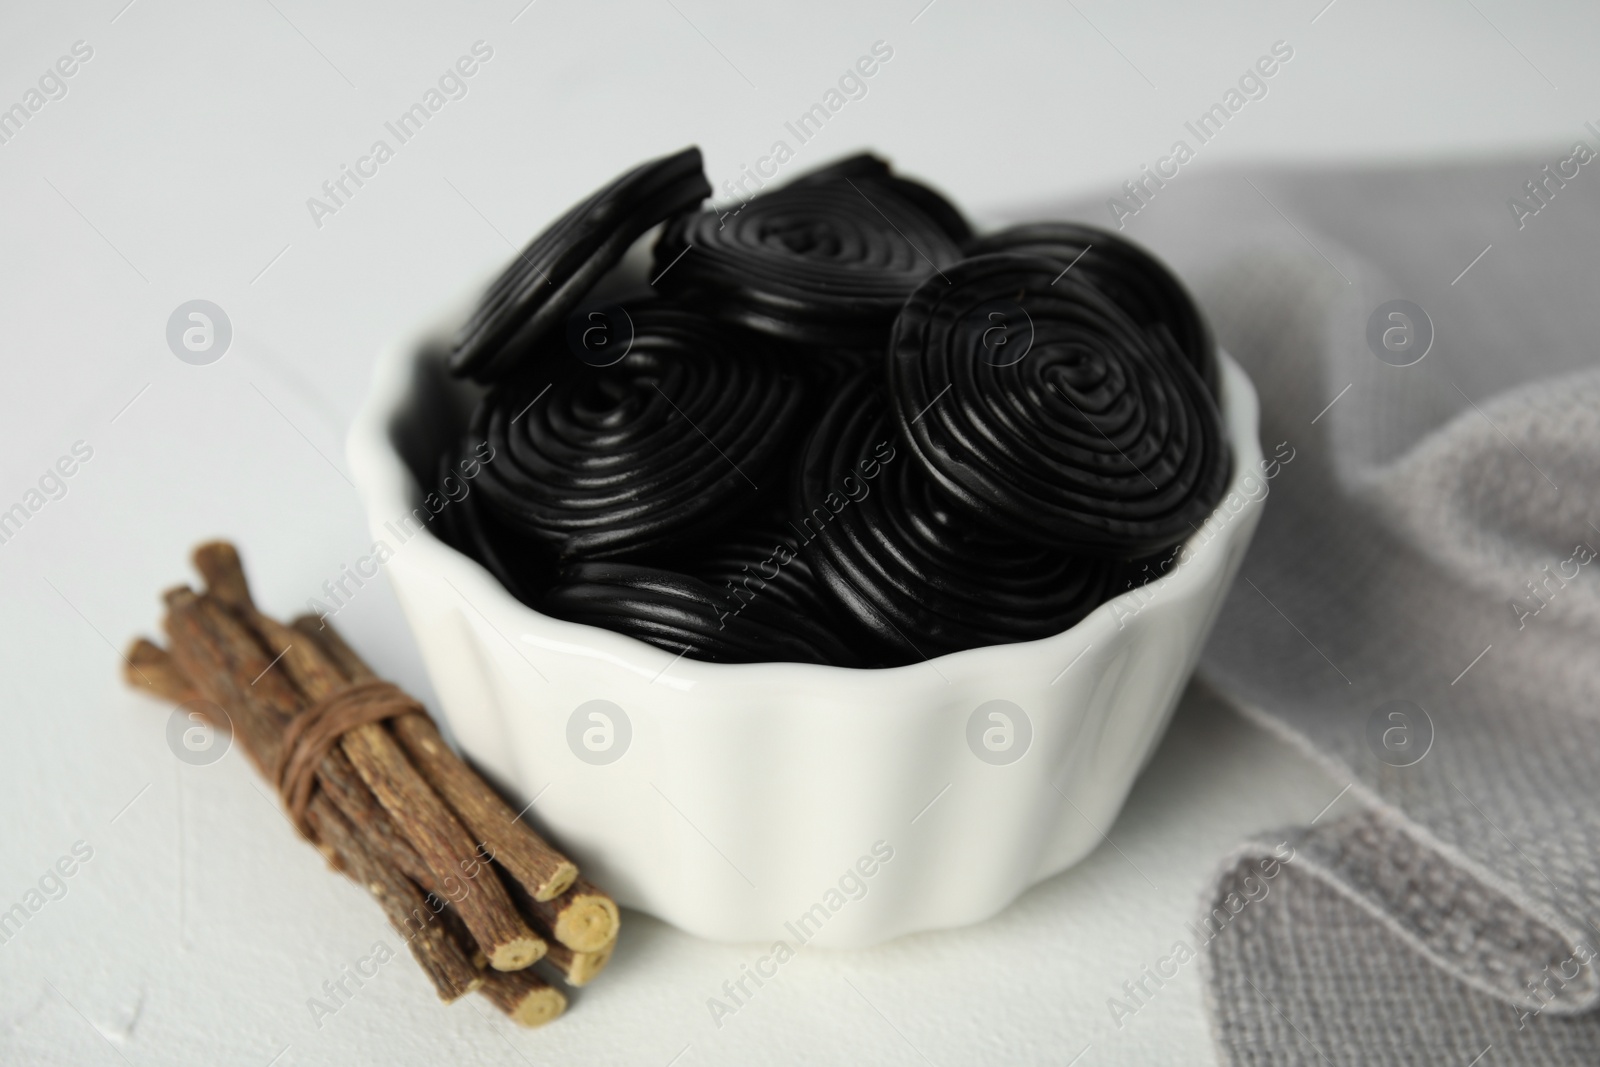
(533, 296)
(907, 563)
(821, 262)
(686, 615)
(760, 559)
(465, 524)
(874, 173)
(647, 454)
(1134, 279)
(836, 427)
(1037, 402)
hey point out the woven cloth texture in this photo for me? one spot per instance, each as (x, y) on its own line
(1429, 549)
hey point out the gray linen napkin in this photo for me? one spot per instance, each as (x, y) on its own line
(1420, 610)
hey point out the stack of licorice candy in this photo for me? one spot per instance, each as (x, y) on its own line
(836, 427)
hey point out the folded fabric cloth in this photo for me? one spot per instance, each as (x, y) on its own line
(1420, 610)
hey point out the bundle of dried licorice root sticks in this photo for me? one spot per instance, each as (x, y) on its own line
(363, 772)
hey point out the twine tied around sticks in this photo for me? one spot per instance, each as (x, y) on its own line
(313, 733)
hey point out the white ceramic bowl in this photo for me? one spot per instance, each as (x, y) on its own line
(757, 802)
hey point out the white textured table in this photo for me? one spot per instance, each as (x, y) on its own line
(176, 162)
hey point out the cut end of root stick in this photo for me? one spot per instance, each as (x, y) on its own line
(539, 1007)
(526, 998)
(517, 953)
(589, 923)
(559, 882)
(580, 968)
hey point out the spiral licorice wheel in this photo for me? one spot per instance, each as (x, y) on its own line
(760, 560)
(873, 173)
(532, 298)
(1086, 438)
(683, 614)
(523, 567)
(1135, 281)
(820, 262)
(650, 453)
(911, 566)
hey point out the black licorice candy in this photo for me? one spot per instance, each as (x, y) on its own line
(819, 261)
(533, 296)
(656, 451)
(684, 614)
(841, 428)
(1135, 280)
(907, 563)
(760, 558)
(873, 173)
(1079, 433)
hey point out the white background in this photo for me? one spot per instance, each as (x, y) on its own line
(178, 166)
